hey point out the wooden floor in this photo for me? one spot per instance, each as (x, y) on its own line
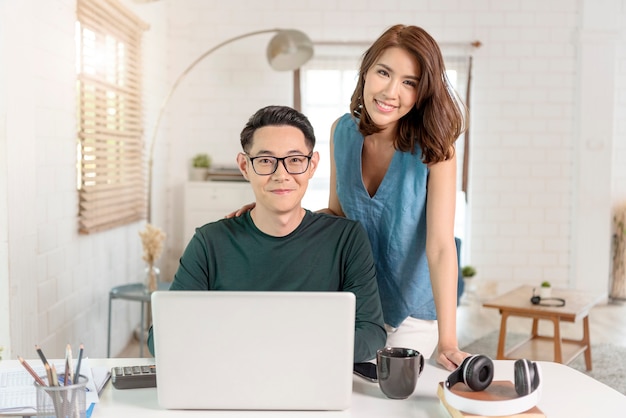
(607, 321)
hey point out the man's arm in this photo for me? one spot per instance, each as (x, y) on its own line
(192, 274)
(360, 279)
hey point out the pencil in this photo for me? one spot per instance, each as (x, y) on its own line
(55, 378)
(31, 371)
(80, 359)
(49, 374)
(41, 356)
(70, 365)
(66, 373)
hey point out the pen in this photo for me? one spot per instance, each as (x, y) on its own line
(80, 359)
(31, 371)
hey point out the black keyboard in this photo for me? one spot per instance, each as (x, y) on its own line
(133, 377)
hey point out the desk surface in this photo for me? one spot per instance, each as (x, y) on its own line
(566, 393)
(577, 303)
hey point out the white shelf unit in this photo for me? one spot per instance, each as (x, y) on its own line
(208, 201)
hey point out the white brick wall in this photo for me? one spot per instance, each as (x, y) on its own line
(525, 149)
(54, 283)
(524, 110)
(619, 151)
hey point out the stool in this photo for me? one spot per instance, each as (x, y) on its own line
(516, 303)
(133, 292)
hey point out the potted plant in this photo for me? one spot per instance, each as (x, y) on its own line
(545, 290)
(468, 272)
(200, 166)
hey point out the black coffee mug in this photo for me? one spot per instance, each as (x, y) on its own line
(398, 370)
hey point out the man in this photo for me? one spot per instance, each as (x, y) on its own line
(279, 245)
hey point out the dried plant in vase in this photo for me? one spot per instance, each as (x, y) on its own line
(618, 286)
(152, 239)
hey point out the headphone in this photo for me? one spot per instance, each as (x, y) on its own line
(538, 300)
(477, 373)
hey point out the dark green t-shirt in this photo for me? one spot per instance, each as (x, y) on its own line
(324, 253)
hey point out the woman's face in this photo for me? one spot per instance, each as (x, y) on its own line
(390, 89)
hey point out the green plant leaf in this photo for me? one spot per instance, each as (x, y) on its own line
(468, 271)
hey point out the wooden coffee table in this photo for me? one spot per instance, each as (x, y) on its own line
(541, 347)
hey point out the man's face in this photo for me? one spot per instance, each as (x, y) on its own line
(279, 192)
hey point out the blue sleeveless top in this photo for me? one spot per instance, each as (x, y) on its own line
(395, 220)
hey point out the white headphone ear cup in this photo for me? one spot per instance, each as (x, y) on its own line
(526, 377)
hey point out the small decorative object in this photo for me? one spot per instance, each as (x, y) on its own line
(152, 240)
(468, 272)
(618, 284)
(545, 291)
(200, 167)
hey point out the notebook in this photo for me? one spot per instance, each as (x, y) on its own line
(254, 350)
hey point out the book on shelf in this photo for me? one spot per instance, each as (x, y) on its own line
(225, 173)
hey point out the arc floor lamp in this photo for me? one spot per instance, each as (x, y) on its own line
(288, 50)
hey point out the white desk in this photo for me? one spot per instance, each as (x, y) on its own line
(566, 393)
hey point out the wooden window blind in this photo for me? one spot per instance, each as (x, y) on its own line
(111, 163)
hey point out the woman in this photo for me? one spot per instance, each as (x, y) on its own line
(393, 168)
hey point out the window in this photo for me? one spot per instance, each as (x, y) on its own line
(110, 162)
(328, 81)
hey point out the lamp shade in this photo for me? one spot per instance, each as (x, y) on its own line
(289, 49)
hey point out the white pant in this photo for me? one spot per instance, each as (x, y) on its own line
(419, 334)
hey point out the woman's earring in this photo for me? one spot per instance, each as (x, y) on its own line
(359, 106)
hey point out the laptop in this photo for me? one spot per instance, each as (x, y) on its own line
(254, 350)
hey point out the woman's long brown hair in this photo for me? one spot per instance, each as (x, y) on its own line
(438, 117)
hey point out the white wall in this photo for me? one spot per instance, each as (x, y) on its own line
(4, 236)
(541, 189)
(527, 154)
(54, 283)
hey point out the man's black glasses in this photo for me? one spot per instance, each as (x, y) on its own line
(294, 164)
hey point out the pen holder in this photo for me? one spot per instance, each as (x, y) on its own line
(62, 401)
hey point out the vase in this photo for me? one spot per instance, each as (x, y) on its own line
(152, 276)
(545, 292)
(198, 174)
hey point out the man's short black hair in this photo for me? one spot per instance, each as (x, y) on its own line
(277, 116)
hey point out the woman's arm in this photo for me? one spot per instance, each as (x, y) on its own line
(442, 258)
